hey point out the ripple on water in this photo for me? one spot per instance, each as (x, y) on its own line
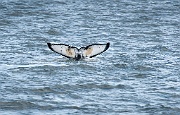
(17, 105)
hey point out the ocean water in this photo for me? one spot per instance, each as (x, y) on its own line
(138, 75)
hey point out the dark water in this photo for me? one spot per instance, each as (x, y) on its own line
(138, 75)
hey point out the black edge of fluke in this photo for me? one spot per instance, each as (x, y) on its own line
(107, 46)
(49, 45)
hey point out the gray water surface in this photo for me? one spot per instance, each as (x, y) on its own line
(138, 75)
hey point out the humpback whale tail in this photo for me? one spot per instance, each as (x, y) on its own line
(75, 53)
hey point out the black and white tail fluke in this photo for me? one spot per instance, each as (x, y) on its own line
(75, 53)
(95, 49)
(63, 49)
